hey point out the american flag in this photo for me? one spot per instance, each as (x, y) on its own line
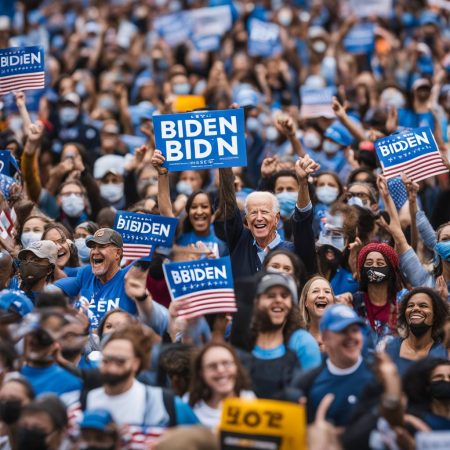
(136, 437)
(398, 191)
(27, 74)
(413, 152)
(136, 251)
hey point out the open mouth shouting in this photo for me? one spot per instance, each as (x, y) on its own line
(417, 317)
(97, 263)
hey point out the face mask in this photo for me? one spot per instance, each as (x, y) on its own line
(29, 237)
(80, 89)
(72, 205)
(375, 274)
(319, 46)
(68, 115)
(356, 201)
(83, 250)
(252, 124)
(419, 329)
(285, 16)
(271, 133)
(31, 273)
(327, 194)
(392, 98)
(330, 147)
(107, 103)
(440, 390)
(443, 250)
(287, 201)
(31, 439)
(311, 140)
(10, 411)
(112, 192)
(113, 379)
(184, 187)
(181, 89)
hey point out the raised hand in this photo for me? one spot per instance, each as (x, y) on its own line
(269, 166)
(157, 162)
(305, 167)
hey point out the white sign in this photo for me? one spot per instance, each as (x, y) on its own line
(367, 8)
(433, 440)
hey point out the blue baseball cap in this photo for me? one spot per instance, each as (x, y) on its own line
(97, 419)
(14, 301)
(338, 133)
(337, 318)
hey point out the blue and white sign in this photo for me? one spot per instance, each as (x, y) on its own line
(21, 68)
(360, 38)
(263, 38)
(316, 102)
(368, 8)
(201, 140)
(142, 233)
(8, 164)
(173, 28)
(413, 152)
(205, 286)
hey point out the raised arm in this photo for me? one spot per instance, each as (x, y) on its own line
(164, 203)
(227, 195)
(30, 168)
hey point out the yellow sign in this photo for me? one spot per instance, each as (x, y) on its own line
(262, 424)
(184, 103)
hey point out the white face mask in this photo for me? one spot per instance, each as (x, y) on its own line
(29, 237)
(83, 250)
(72, 205)
(311, 139)
(319, 46)
(327, 194)
(271, 133)
(356, 201)
(330, 147)
(112, 192)
(184, 187)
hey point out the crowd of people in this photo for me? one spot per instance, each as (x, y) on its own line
(341, 277)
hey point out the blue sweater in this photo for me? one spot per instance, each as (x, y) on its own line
(244, 253)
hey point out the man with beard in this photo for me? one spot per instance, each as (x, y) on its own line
(143, 408)
(278, 346)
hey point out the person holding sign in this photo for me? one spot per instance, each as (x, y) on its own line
(250, 240)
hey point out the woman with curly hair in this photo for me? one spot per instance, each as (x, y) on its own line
(216, 374)
(421, 317)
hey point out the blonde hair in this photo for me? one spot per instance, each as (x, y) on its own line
(305, 317)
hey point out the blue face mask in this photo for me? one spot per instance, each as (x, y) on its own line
(443, 250)
(287, 201)
(83, 250)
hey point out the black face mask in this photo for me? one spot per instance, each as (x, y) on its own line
(31, 439)
(419, 329)
(71, 353)
(10, 411)
(31, 273)
(375, 274)
(113, 379)
(440, 390)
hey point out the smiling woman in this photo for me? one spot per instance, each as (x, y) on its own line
(67, 253)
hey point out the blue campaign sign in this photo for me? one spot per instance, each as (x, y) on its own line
(413, 152)
(263, 38)
(172, 28)
(205, 286)
(142, 233)
(201, 140)
(21, 68)
(360, 38)
(8, 164)
(316, 102)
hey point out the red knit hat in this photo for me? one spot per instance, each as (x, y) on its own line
(387, 251)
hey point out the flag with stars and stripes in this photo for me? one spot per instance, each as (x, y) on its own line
(316, 102)
(142, 233)
(398, 191)
(413, 152)
(21, 68)
(204, 286)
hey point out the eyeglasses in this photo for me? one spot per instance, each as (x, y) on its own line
(361, 195)
(68, 194)
(214, 366)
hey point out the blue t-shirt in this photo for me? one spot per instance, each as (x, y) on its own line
(343, 281)
(54, 380)
(347, 390)
(191, 237)
(111, 295)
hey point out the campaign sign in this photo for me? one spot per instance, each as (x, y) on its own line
(433, 440)
(360, 38)
(205, 286)
(413, 152)
(368, 8)
(8, 164)
(172, 28)
(142, 233)
(263, 38)
(316, 102)
(443, 4)
(21, 68)
(201, 140)
(267, 424)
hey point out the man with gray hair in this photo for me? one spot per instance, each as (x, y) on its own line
(251, 238)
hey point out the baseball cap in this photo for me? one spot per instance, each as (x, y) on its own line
(246, 96)
(105, 236)
(338, 133)
(42, 249)
(14, 301)
(337, 318)
(109, 164)
(71, 97)
(421, 82)
(272, 279)
(97, 419)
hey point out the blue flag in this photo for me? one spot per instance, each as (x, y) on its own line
(142, 233)
(360, 38)
(21, 68)
(263, 38)
(201, 140)
(413, 152)
(205, 286)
